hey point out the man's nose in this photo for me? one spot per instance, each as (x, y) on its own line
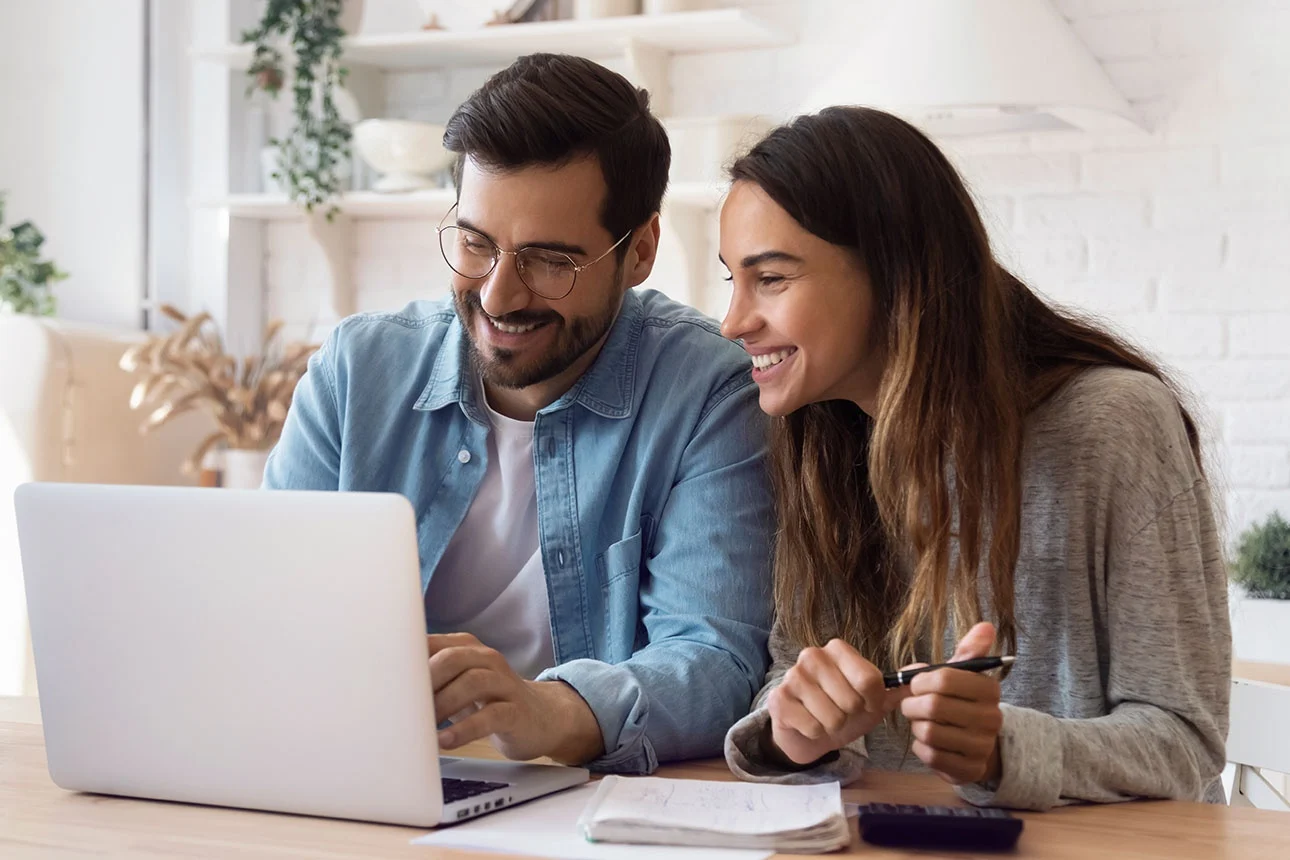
(502, 291)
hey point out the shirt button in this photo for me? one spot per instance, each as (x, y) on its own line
(463, 456)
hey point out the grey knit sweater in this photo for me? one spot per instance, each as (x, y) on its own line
(1120, 689)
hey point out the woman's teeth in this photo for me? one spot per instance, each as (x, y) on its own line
(770, 359)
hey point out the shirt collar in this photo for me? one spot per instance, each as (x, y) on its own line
(605, 389)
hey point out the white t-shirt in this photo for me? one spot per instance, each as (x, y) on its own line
(490, 582)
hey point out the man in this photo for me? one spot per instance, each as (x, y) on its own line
(586, 462)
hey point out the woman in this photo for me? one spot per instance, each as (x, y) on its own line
(954, 459)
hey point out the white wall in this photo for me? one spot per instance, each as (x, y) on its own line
(1177, 236)
(71, 148)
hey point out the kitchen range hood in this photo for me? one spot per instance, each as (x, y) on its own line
(977, 67)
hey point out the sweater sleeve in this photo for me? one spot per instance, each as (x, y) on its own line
(1167, 687)
(747, 740)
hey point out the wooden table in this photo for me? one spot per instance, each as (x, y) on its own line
(1269, 673)
(37, 819)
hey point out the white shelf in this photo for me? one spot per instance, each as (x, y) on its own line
(681, 32)
(417, 204)
(357, 204)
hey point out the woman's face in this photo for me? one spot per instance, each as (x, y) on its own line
(803, 307)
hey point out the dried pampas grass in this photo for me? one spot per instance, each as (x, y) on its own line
(188, 369)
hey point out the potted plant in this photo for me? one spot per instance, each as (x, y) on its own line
(248, 398)
(25, 279)
(315, 154)
(1261, 570)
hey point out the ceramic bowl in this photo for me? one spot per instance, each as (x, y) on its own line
(406, 153)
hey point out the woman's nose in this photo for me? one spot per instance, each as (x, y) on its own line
(739, 319)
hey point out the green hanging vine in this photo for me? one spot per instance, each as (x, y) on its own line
(318, 144)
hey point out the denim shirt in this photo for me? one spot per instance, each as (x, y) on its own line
(655, 517)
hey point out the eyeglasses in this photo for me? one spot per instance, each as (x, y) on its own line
(549, 274)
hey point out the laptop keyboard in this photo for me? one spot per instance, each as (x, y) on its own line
(461, 789)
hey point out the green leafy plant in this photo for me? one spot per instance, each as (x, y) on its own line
(310, 155)
(25, 279)
(1262, 565)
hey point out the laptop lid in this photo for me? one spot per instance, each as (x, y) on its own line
(255, 649)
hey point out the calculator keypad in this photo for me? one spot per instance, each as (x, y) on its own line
(910, 809)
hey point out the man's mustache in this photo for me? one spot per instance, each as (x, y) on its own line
(516, 318)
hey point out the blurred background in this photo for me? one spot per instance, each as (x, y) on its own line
(1131, 158)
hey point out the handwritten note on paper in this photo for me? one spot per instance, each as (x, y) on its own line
(726, 807)
(546, 828)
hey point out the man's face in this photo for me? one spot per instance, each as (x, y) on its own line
(519, 338)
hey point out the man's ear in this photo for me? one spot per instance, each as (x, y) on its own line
(642, 253)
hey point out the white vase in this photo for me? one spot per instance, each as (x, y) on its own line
(244, 470)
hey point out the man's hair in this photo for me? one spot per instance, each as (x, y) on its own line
(551, 109)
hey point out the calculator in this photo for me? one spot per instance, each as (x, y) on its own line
(964, 828)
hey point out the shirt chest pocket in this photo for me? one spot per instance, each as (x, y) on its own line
(618, 569)
(622, 559)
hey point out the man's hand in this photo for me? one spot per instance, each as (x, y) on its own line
(954, 715)
(475, 686)
(829, 698)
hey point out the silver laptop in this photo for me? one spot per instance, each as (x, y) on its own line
(263, 650)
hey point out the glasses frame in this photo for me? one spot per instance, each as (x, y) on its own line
(498, 253)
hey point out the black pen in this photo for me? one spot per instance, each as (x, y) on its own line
(977, 664)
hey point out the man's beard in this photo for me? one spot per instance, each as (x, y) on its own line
(503, 367)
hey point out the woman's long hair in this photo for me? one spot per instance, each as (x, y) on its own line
(888, 524)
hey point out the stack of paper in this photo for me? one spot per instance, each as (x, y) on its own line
(801, 819)
(547, 827)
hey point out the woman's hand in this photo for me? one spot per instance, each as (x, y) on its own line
(829, 698)
(955, 717)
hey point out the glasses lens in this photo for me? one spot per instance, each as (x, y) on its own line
(468, 253)
(550, 274)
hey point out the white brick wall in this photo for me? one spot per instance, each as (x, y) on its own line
(1187, 227)
(1179, 236)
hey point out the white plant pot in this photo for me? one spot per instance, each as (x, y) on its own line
(244, 470)
(1260, 628)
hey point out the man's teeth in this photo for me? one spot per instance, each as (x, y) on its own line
(770, 359)
(512, 329)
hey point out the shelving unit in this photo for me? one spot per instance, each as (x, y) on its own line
(598, 38)
(416, 204)
(228, 275)
(356, 204)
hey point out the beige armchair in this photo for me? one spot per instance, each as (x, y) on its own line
(65, 416)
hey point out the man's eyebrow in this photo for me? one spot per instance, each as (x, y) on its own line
(562, 247)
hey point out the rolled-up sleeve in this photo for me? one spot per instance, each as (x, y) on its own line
(705, 604)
